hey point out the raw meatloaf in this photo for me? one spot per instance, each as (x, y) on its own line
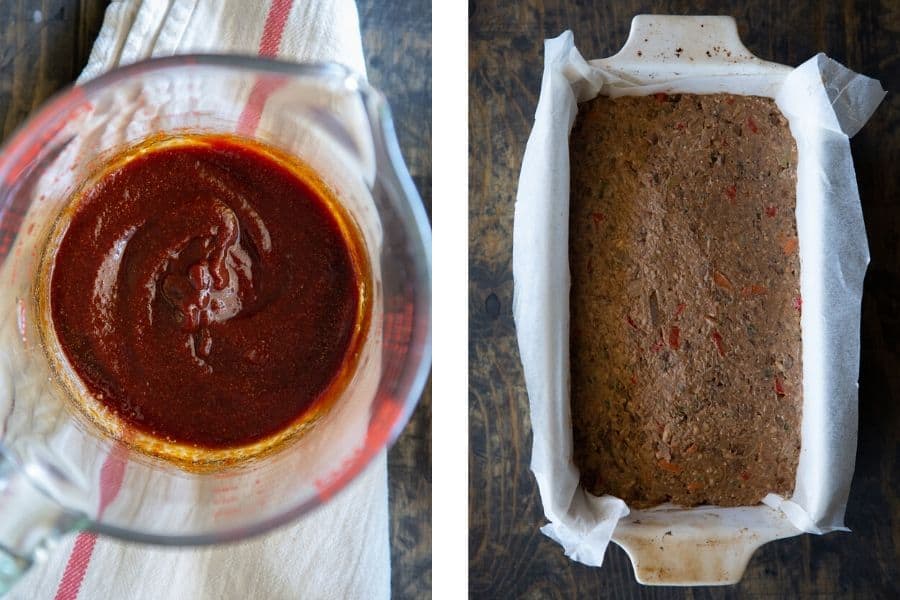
(685, 301)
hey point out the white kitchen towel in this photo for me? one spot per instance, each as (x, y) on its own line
(342, 549)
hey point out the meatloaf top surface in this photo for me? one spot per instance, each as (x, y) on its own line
(685, 301)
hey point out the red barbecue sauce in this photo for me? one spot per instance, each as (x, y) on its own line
(205, 292)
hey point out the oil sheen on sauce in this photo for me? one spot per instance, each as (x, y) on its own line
(205, 292)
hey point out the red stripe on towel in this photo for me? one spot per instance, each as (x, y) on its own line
(268, 46)
(111, 475)
(77, 566)
(274, 28)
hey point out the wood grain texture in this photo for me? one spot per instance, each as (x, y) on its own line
(43, 46)
(397, 43)
(39, 54)
(508, 556)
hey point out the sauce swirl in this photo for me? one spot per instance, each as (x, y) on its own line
(205, 292)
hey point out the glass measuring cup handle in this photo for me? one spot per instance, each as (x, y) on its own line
(11, 569)
(31, 521)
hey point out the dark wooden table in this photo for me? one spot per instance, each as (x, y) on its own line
(508, 556)
(40, 56)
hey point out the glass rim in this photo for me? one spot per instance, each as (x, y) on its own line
(17, 147)
(26, 142)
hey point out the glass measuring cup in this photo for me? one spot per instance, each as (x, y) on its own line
(58, 472)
